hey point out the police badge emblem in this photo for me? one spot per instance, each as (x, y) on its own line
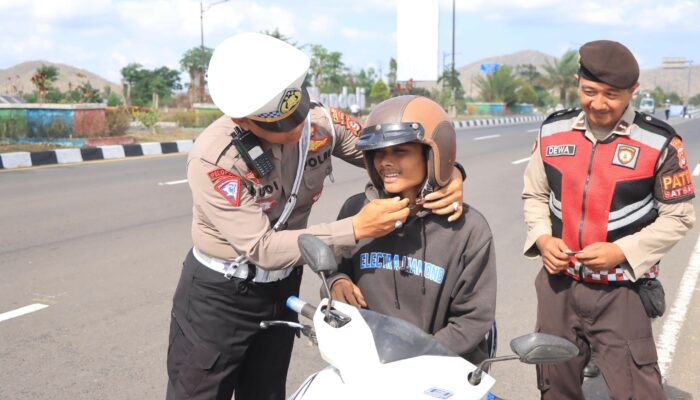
(626, 156)
(290, 100)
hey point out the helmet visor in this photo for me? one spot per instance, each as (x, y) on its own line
(387, 135)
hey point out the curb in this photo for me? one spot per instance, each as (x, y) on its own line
(68, 156)
(496, 121)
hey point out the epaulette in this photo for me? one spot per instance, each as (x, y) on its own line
(653, 124)
(314, 104)
(562, 114)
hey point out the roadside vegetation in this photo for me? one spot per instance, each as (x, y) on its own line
(154, 107)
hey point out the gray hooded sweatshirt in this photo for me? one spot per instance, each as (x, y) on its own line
(435, 274)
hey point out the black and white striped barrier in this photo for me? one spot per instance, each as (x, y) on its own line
(67, 156)
(496, 121)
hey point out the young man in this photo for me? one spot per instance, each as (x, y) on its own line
(607, 193)
(441, 277)
(255, 174)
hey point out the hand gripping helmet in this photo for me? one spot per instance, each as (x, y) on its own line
(406, 119)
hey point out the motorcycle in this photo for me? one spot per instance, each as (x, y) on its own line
(374, 356)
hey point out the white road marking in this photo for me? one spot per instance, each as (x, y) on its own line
(21, 311)
(666, 344)
(533, 130)
(522, 160)
(696, 171)
(486, 137)
(172, 182)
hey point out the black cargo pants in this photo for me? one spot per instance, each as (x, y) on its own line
(216, 345)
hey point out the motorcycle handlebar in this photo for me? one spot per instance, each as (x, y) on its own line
(300, 306)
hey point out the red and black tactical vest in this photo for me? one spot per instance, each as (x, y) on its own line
(602, 191)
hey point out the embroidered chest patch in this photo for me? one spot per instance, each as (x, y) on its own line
(230, 189)
(626, 156)
(561, 150)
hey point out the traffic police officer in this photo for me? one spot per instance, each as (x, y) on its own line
(607, 193)
(254, 175)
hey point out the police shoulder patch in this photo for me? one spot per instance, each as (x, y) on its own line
(340, 118)
(230, 189)
(219, 173)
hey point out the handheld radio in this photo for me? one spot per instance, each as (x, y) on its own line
(248, 146)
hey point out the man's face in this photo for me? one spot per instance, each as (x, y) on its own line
(602, 103)
(287, 137)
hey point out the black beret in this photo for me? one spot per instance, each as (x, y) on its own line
(608, 62)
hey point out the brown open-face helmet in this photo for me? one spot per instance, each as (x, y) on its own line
(407, 119)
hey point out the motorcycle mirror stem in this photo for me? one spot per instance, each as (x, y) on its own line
(476, 375)
(320, 259)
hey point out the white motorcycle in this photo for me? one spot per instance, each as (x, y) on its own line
(374, 356)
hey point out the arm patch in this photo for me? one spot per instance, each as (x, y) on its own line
(340, 118)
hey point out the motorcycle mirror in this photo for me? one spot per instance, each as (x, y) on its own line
(541, 348)
(317, 254)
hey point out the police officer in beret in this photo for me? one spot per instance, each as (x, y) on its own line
(607, 193)
(255, 174)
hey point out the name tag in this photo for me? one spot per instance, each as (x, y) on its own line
(561, 150)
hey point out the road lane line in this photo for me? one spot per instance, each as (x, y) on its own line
(172, 182)
(533, 130)
(696, 171)
(666, 345)
(522, 160)
(21, 311)
(486, 137)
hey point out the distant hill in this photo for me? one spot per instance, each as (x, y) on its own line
(669, 80)
(470, 71)
(17, 80)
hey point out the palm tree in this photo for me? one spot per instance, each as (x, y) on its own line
(499, 86)
(561, 74)
(43, 78)
(195, 61)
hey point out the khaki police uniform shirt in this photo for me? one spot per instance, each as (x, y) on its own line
(234, 212)
(642, 249)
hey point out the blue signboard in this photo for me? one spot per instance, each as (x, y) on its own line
(488, 68)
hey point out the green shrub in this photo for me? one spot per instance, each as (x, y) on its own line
(204, 118)
(186, 119)
(116, 121)
(149, 119)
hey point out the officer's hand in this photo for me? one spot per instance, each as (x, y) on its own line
(601, 256)
(379, 216)
(347, 292)
(552, 250)
(440, 201)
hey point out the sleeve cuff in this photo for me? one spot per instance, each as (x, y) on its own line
(530, 250)
(343, 233)
(635, 260)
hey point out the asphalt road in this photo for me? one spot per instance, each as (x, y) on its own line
(101, 245)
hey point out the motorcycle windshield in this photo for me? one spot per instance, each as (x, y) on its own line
(396, 339)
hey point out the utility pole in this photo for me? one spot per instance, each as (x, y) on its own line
(452, 82)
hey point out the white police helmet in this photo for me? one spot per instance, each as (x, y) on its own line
(256, 76)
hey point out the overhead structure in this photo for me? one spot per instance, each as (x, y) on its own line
(417, 40)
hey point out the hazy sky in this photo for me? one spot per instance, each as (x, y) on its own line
(104, 35)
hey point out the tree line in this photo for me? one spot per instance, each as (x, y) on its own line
(551, 85)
